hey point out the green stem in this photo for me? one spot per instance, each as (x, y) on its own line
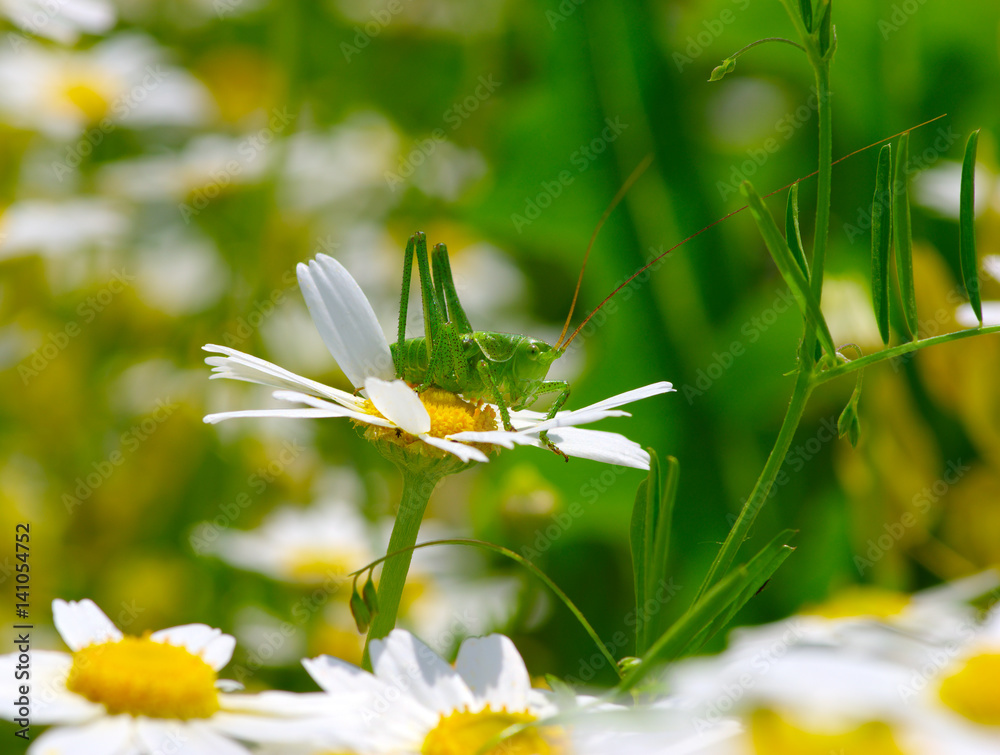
(506, 552)
(896, 351)
(417, 488)
(762, 490)
(823, 189)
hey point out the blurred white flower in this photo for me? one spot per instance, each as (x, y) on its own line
(179, 271)
(122, 81)
(59, 229)
(206, 160)
(63, 21)
(991, 309)
(939, 189)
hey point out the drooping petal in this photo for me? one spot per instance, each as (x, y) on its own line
(497, 437)
(81, 623)
(214, 647)
(235, 365)
(212, 419)
(345, 320)
(404, 661)
(462, 451)
(600, 445)
(397, 402)
(494, 671)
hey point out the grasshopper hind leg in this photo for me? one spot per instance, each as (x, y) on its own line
(547, 387)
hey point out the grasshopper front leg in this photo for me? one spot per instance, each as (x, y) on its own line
(486, 374)
(548, 387)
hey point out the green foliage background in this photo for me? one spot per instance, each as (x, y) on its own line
(561, 72)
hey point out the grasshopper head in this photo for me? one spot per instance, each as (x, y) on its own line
(532, 359)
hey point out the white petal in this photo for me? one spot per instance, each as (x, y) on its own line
(51, 702)
(495, 672)
(399, 403)
(194, 737)
(338, 676)
(408, 664)
(318, 403)
(213, 419)
(599, 445)
(653, 389)
(345, 320)
(497, 437)
(82, 623)
(107, 736)
(462, 451)
(576, 417)
(214, 647)
(236, 365)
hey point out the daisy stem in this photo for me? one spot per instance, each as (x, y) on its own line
(417, 489)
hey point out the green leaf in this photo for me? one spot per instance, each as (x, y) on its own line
(787, 266)
(792, 233)
(967, 227)
(806, 8)
(759, 570)
(827, 42)
(362, 616)
(727, 66)
(656, 570)
(902, 238)
(881, 237)
(640, 537)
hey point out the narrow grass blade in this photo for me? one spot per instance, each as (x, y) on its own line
(967, 227)
(641, 532)
(792, 234)
(787, 266)
(760, 569)
(656, 570)
(902, 237)
(881, 238)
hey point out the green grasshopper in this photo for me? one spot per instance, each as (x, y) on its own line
(506, 369)
(503, 368)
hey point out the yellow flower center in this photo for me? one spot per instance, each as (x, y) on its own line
(142, 677)
(861, 601)
(449, 413)
(463, 733)
(974, 689)
(319, 564)
(773, 735)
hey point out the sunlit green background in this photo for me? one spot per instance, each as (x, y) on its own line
(487, 125)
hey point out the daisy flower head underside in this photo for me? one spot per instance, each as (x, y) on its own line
(415, 702)
(160, 692)
(403, 423)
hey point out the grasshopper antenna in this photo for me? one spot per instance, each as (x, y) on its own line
(639, 170)
(715, 223)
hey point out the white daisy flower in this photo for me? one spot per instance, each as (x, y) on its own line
(392, 410)
(64, 21)
(417, 704)
(116, 694)
(61, 228)
(121, 81)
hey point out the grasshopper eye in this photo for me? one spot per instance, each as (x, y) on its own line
(533, 351)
